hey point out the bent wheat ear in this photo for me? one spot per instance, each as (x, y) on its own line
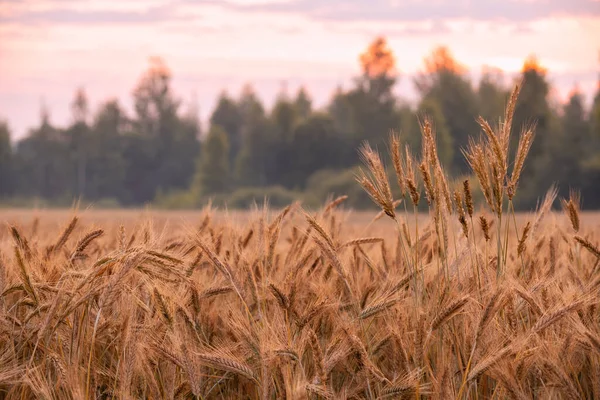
(20, 241)
(334, 204)
(85, 242)
(588, 245)
(523, 239)
(377, 308)
(571, 208)
(282, 299)
(488, 362)
(64, 236)
(552, 317)
(163, 307)
(377, 185)
(25, 277)
(429, 191)
(448, 312)
(360, 241)
(225, 363)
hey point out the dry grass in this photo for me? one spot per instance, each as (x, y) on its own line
(298, 304)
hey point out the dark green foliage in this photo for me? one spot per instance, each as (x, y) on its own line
(6, 161)
(590, 163)
(314, 145)
(302, 104)
(570, 144)
(492, 95)
(276, 196)
(42, 162)
(228, 116)
(159, 155)
(114, 156)
(328, 182)
(212, 175)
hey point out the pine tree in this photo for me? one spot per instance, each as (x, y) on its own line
(228, 116)
(212, 173)
(6, 161)
(302, 104)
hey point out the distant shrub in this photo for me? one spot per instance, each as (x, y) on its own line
(183, 199)
(63, 202)
(276, 196)
(243, 198)
(106, 203)
(334, 183)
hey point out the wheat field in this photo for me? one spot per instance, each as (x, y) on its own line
(467, 301)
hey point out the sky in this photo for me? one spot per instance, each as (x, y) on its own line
(49, 48)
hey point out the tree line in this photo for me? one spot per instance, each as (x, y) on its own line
(160, 154)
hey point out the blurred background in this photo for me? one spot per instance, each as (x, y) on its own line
(123, 103)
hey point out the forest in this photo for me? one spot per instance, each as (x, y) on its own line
(161, 153)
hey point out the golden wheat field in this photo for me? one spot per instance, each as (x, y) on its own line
(270, 304)
(467, 301)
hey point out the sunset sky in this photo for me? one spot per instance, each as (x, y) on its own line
(48, 48)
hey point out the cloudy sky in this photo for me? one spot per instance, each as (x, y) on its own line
(48, 48)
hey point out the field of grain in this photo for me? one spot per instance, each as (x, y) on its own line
(467, 301)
